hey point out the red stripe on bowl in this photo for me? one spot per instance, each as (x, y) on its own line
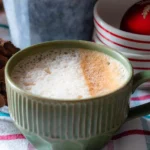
(141, 68)
(118, 36)
(102, 41)
(133, 48)
(131, 132)
(138, 60)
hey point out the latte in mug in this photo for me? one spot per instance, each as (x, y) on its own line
(70, 74)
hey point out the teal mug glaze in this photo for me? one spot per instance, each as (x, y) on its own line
(51, 124)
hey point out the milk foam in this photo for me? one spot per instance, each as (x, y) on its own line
(69, 74)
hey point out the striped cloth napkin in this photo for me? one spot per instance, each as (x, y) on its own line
(133, 135)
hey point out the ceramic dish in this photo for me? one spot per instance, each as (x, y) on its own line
(107, 25)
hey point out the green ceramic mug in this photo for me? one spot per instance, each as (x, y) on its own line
(87, 124)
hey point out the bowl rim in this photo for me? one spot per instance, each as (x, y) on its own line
(80, 42)
(116, 31)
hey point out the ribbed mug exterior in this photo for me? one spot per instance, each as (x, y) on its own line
(71, 121)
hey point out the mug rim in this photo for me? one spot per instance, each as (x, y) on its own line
(45, 99)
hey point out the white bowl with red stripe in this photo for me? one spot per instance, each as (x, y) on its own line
(95, 38)
(107, 18)
(139, 63)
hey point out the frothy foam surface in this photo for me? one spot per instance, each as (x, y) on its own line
(69, 74)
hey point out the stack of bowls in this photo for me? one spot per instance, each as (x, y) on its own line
(107, 18)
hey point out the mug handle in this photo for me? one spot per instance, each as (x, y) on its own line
(144, 109)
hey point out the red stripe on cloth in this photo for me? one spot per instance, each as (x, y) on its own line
(128, 47)
(140, 98)
(12, 137)
(139, 60)
(118, 36)
(123, 134)
(131, 132)
(30, 147)
(110, 145)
